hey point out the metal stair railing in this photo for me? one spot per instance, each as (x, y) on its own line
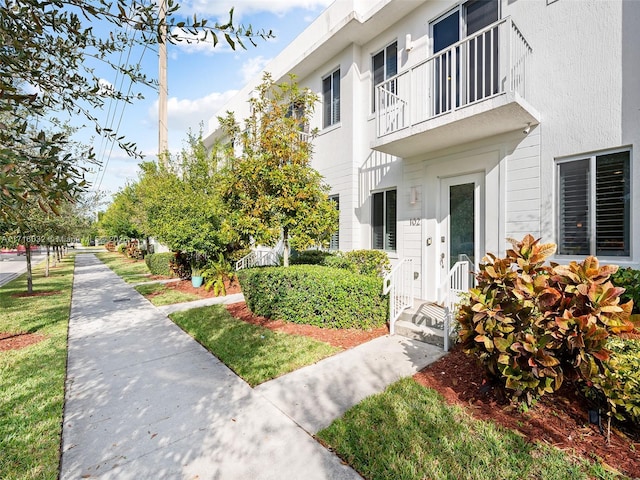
(398, 283)
(258, 258)
(456, 283)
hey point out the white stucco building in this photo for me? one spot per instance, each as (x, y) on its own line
(448, 126)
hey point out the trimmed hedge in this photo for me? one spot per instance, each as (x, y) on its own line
(158, 263)
(315, 295)
(310, 257)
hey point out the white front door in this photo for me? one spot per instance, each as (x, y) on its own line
(461, 221)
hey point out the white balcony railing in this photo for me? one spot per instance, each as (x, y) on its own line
(398, 284)
(488, 63)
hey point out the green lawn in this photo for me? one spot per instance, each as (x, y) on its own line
(32, 378)
(408, 432)
(131, 271)
(255, 353)
(165, 295)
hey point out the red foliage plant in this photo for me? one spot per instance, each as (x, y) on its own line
(532, 324)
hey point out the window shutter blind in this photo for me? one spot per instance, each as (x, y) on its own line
(612, 204)
(574, 208)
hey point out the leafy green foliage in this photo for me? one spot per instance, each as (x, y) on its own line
(369, 262)
(530, 324)
(620, 380)
(123, 218)
(310, 257)
(315, 295)
(629, 279)
(181, 204)
(270, 188)
(216, 273)
(158, 263)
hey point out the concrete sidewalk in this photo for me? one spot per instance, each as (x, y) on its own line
(145, 400)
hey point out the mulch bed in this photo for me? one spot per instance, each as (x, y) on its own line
(16, 341)
(185, 286)
(46, 293)
(560, 419)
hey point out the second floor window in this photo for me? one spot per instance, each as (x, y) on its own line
(384, 65)
(331, 99)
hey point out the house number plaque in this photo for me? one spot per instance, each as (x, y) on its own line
(414, 222)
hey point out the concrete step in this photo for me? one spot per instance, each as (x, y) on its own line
(422, 333)
(423, 322)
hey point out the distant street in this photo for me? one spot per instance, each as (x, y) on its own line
(13, 265)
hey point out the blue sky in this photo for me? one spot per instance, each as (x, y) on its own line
(200, 80)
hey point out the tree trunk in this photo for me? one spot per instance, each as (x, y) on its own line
(285, 243)
(29, 274)
(46, 265)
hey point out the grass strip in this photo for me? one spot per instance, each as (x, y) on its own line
(32, 378)
(255, 353)
(408, 432)
(159, 294)
(131, 271)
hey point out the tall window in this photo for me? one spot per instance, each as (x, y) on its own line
(334, 243)
(331, 99)
(594, 205)
(383, 220)
(384, 65)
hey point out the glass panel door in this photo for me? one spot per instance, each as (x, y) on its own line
(482, 51)
(461, 220)
(445, 33)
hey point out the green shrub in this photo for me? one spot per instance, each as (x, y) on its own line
(369, 262)
(629, 279)
(315, 295)
(216, 273)
(310, 257)
(531, 324)
(620, 380)
(158, 263)
(122, 248)
(180, 265)
(338, 261)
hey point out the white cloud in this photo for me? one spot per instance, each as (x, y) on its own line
(185, 113)
(252, 68)
(220, 9)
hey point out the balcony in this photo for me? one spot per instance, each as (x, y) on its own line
(474, 89)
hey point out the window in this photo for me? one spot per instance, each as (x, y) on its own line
(383, 220)
(594, 195)
(334, 242)
(384, 65)
(331, 99)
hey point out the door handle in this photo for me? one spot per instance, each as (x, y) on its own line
(442, 260)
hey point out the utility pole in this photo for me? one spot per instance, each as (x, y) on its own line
(163, 127)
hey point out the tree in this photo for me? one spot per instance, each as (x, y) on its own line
(48, 53)
(122, 219)
(270, 189)
(182, 207)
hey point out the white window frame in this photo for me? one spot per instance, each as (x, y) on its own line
(334, 242)
(386, 59)
(384, 248)
(334, 102)
(592, 157)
